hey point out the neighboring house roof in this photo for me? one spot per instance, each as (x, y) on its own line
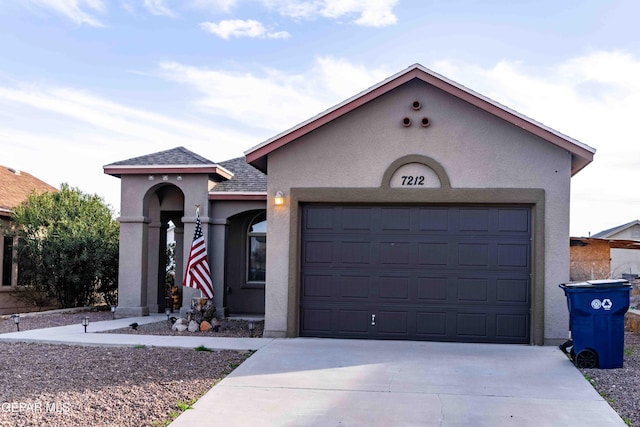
(247, 182)
(16, 186)
(615, 230)
(175, 160)
(613, 243)
(581, 154)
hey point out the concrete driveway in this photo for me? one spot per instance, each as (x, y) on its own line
(325, 382)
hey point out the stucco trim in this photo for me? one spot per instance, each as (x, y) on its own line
(533, 197)
(429, 162)
(236, 195)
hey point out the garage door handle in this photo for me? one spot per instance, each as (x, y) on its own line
(373, 319)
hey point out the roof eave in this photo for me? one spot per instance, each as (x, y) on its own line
(213, 170)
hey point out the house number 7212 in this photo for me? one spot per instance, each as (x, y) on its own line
(409, 180)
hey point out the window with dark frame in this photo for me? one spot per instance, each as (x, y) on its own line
(7, 261)
(257, 250)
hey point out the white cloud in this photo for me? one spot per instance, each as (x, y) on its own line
(79, 11)
(158, 7)
(215, 5)
(273, 100)
(371, 13)
(594, 98)
(241, 28)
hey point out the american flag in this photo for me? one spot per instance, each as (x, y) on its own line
(198, 274)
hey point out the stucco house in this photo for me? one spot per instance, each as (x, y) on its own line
(16, 186)
(417, 209)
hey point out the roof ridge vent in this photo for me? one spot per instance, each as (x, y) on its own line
(14, 171)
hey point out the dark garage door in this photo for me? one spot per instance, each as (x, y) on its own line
(441, 273)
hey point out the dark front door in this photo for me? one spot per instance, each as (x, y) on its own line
(442, 273)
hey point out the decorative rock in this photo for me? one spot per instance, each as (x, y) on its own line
(208, 311)
(181, 321)
(205, 326)
(193, 326)
(179, 327)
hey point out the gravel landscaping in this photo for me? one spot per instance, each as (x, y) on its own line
(57, 385)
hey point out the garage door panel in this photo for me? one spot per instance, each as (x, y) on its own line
(355, 252)
(433, 254)
(473, 290)
(355, 287)
(395, 219)
(512, 290)
(433, 219)
(395, 253)
(393, 288)
(513, 255)
(473, 254)
(317, 286)
(432, 289)
(474, 219)
(318, 252)
(437, 273)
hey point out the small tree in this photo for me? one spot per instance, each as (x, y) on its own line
(68, 247)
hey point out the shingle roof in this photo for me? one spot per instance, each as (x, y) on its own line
(16, 186)
(246, 178)
(174, 156)
(607, 233)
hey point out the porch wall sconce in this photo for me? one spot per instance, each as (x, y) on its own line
(113, 311)
(278, 200)
(16, 320)
(85, 323)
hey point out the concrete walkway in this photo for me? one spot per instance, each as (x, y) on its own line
(74, 335)
(326, 382)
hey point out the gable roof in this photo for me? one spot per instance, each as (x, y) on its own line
(16, 186)
(175, 160)
(615, 230)
(581, 154)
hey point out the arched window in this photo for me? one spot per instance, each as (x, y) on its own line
(257, 249)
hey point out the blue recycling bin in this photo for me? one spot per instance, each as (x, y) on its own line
(596, 321)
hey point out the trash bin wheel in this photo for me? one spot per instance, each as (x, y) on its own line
(587, 359)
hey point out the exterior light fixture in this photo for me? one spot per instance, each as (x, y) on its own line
(167, 311)
(85, 323)
(279, 199)
(252, 325)
(113, 311)
(16, 320)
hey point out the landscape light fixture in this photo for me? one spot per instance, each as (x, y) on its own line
(252, 325)
(167, 311)
(16, 320)
(113, 311)
(85, 323)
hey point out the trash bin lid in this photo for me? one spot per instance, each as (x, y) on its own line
(605, 283)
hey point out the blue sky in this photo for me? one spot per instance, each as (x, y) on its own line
(84, 83)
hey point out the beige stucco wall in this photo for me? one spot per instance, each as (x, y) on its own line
(476, 150)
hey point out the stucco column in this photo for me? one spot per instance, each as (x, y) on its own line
(216, 261)
(153, 268)
(132, 276)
